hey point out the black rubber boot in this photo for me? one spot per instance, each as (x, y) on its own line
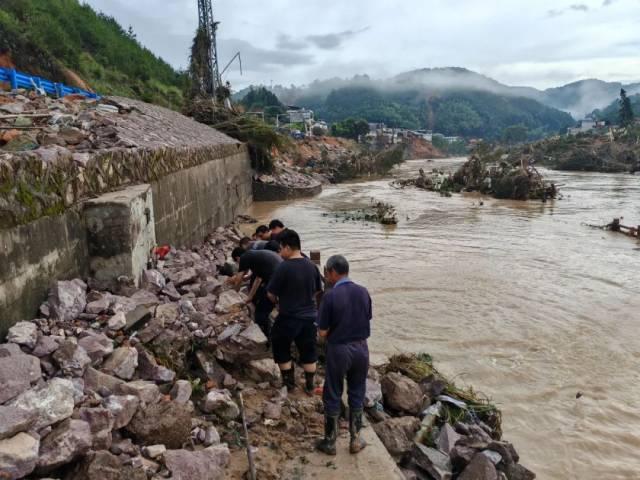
(309, 382)
(328, 443)
(288, 379)
(356, 444)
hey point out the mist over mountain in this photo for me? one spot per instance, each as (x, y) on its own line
(578, 98)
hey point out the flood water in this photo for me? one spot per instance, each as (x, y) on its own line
(519, 299)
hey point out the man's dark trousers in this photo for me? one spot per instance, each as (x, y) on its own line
(264, 307)
(349, 360)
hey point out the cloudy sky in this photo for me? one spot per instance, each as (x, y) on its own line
(540, 43)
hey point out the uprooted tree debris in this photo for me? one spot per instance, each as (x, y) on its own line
(617, 226)
(377, 212)
(145, 383)
(479, 174)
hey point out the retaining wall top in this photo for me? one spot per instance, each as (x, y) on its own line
(55, 153)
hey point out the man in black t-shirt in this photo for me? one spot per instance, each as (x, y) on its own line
(295, 286)
(262, 264)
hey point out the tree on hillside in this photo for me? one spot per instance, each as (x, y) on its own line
(625, 112)
(515, 134)
(261, 99)
(350, 128)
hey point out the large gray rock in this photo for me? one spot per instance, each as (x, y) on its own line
(46, 346)
(181, 391)
(167, 313)
(153, 281)
(51, 402)
(147, 392)
(183, 276)
(9, 349)
(432, 461)
(447, 439)
(207, 464)
(72, 359)
(480, 468)
(373, 393)
(97, 347)
(122, 408)
(96, 381)
(100, 421)
(220, 403)
(166, 423)
(515, 471)
(230, 301)
(68, 299)
(397, 434)
(122, 363)
(99, 306)
(17, 373)
(23, 333)
(238, 344)
(14, 420)
(264, 370)
(148, 368)
(18, 456)
(401, 394)
(68, 441)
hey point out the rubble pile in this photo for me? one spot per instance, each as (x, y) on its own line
(131, 384)
(434, 430)
(149, 383)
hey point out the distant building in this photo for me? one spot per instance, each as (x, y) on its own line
(424, 134)
(587, 125)
(376, 127)
(299, 115)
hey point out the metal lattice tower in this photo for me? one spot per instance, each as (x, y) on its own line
(210, 26)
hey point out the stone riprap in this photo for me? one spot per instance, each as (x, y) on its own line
(57, 152)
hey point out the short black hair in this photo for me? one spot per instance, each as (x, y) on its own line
(237, 253)
(289, 238)
(262, 229)
(272, 245)
(245, 240)
(275, 224)
(338, 264)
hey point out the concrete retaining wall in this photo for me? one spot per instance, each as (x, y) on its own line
(33, 255)
(190, 203)
(187, 204)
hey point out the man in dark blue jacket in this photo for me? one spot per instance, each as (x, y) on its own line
(344, 320)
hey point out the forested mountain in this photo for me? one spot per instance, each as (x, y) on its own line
(66, 41)
(452, 102)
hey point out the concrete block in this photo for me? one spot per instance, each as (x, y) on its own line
(120, 234)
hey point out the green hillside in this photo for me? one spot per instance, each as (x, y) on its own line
(468, 112)
(612, 112)
(50, 37)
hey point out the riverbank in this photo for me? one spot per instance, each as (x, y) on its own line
(305, 165)
(609, 151)
(518, 299)
(146, 383)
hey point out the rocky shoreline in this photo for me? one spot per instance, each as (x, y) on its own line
(147, 383)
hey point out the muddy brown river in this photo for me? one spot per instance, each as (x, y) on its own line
(519, 299)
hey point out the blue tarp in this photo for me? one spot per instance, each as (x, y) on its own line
(22, 80)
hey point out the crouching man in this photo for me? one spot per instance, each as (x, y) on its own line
(344, 320)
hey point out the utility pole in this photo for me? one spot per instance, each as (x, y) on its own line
(206, 22)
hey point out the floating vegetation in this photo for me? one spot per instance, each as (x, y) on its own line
(377, 212)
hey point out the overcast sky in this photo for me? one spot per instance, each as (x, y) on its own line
(540, 43)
